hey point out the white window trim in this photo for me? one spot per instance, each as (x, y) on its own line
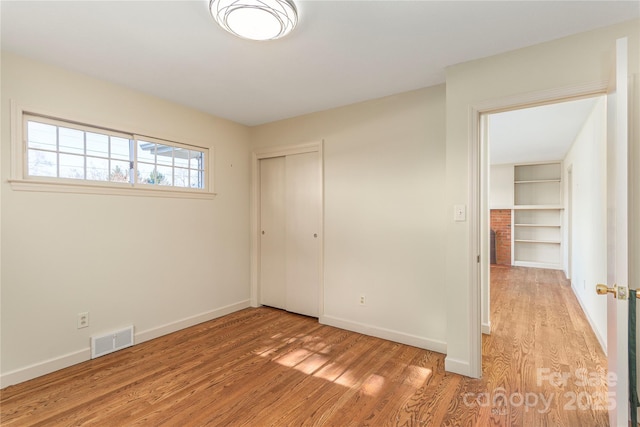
(20, 182)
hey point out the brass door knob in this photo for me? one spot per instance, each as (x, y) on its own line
(604, 289)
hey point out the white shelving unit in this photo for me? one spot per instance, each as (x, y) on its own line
(537, 216)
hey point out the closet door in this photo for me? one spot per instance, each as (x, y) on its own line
(272, 281)
(303, 204)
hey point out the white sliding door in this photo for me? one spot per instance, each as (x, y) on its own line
(272, 232)
(303, 209)
(289, 255)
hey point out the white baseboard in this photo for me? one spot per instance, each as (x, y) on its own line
(603, 342)
(42, 368)
(169, 328)
(457, 366)
(486, 328)
(57, 363)
(387, 334)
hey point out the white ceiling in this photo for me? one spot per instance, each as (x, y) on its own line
(341, 52)
(536, 134)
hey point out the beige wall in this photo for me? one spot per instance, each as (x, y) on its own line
(384, 217)
(587, 160)
(156, 263)
(501, 187)
(571, 61)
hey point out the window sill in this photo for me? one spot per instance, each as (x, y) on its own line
(59, 187)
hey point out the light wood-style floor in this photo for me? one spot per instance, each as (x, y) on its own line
(265, 367)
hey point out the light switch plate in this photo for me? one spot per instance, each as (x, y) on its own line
(460, 213)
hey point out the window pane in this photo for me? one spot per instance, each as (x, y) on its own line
(181, 177)
(146, 152)
(181, 157)
(197, 179)
(42, 163)
(165, 155)
(97, 145)
(120, 171)
(180, 162)
(71, 166)
(119, 148)
(165, 175)
(97, 169)
(41, 136)
(71, 141)
(196, 159)
(146, 173)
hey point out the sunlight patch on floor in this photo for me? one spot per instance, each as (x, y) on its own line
(373, 385)
(311, 364)
(417, 376)
(291, 359)
(330, 372)
(346, 379)
(312, 359)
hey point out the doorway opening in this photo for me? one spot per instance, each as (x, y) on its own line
(545, 172)
(547, 197)
(534, 155)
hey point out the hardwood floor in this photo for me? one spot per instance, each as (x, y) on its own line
(265, 367)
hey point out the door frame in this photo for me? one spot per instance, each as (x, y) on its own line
(279, 151)
(479, 192)
(569, 232)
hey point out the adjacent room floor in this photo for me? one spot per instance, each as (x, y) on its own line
(263, 367)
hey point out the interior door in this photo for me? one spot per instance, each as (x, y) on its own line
(617, 237)
(289, 255)
(272, 253)
(303, 193)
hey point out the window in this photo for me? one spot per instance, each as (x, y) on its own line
(57, 150)
(69, 153)
(162, 164)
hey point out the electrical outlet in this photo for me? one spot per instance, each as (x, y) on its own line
(362, 300)
(83, 320)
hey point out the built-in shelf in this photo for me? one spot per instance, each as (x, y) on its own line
(550, 171)
(538, 207)
(536, 181)
(537, 217)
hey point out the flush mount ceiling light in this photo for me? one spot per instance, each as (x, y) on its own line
(255, 19)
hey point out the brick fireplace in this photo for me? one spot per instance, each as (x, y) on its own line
(501, 224)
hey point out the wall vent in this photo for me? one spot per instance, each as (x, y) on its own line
(113, 341)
